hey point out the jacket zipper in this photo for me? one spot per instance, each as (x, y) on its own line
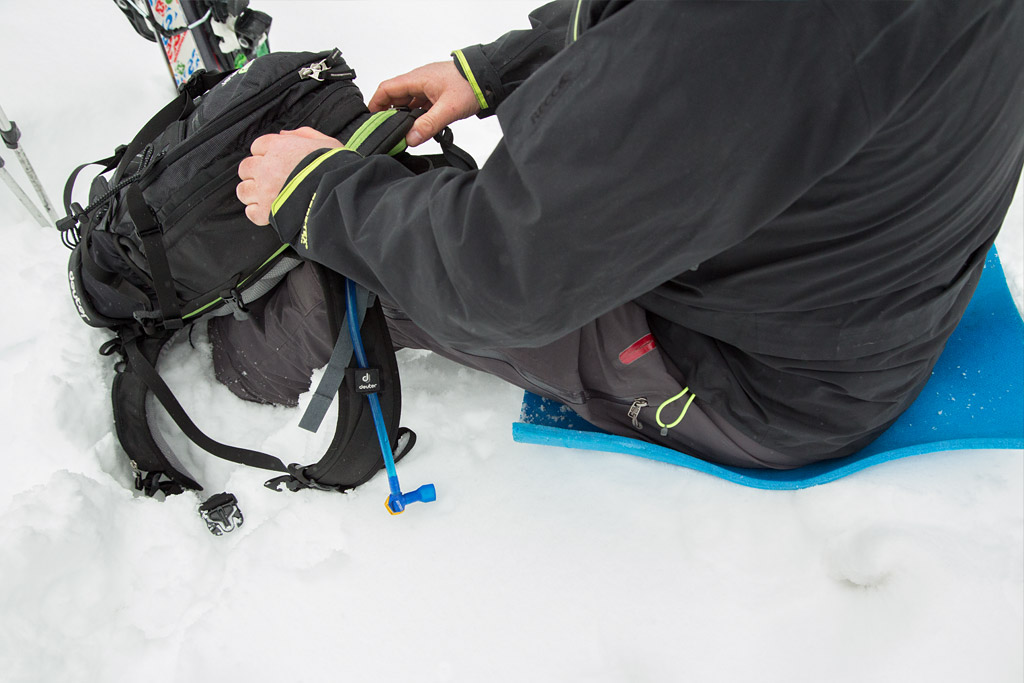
(634, 412)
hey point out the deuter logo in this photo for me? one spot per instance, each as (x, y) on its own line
(78, 300)
(364, 380)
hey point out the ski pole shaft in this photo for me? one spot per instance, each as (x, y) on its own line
(11, 135)
(22, 197)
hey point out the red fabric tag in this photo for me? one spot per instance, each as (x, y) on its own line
(638, 349)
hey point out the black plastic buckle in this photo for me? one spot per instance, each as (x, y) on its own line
(233, 299)
(153, 483)
(194, 86)
(221, 513)
(153, 321)
(297, 480)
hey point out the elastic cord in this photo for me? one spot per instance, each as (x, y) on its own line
(657, 415)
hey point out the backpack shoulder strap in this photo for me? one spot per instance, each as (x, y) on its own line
(137, 377)
(149, 461)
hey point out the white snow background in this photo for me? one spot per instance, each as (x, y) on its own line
(535, 564)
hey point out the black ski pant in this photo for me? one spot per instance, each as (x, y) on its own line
(612, 374)
(610, 371)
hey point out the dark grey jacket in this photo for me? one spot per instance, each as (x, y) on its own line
(801, 195)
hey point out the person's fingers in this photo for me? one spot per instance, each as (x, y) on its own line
(245, 191)
(261, 145)
(257, 214)
(247, 169)
(440, 114)
(395, 92)
(390, 103)
(310, 134)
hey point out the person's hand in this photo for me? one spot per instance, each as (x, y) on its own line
(273, 159)
(436, 87)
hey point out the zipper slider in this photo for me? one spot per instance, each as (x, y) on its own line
(314, 70)
(634, 411)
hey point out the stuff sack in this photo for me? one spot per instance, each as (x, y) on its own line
(164, 243)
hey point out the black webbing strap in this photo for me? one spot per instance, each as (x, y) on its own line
(107, 164)
(163, 393)
(334, 373)
(152, 238)
(453, 154)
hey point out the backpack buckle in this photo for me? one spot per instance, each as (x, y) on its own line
(221, 513)
(297, 480)
(152, 321)
(233, 300)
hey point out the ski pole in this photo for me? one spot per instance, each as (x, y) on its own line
(24, 198)
(10, 134)
(397, 501)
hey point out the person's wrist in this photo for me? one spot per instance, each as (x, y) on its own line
(465, 71)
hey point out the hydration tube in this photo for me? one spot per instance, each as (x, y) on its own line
(397, 501)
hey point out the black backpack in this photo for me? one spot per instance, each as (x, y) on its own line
(164, 243)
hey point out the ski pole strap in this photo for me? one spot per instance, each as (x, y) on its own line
(163, 393)
(333, 375)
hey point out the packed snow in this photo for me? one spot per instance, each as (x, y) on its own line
(535, 563)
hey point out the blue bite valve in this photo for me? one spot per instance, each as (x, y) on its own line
(396, 502)
(424, 494)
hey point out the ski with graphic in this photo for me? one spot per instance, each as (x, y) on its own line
(211, 35)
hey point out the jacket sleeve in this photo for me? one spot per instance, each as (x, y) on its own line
(496, 70)
(663, 136)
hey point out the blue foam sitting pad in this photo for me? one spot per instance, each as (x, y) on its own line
(974, 400)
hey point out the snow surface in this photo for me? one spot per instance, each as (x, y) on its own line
(535, 563)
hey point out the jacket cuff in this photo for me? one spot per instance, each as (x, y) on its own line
(482, 77)
(289, 213)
